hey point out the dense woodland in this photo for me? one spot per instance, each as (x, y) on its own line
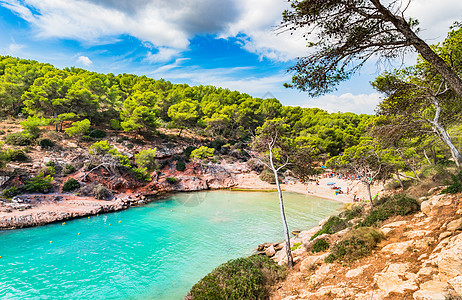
(417, 123)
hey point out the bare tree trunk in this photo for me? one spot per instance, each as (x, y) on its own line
(422, 47)
(426, 157)
(444, 136)
(368, 184)
(290, 259)
(399, 180)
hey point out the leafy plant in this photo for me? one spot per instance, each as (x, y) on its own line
(68, 169)
(456, 185)
(101, 192)
(333, 225)
(180, 165)
(96, 133)
(172, 180)
(38, 184)
(11, 192)
(46, 143)
(320, 245)
(202, 153)
(142, 174)
(146, 159)
(17, 139)
(15, 155)
(356, 244)
(242, 278)
(70, 185)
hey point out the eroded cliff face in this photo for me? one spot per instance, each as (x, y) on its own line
(421, 258)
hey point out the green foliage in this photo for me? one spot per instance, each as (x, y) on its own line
(101, 148)
(180, 165)
(31, 126)
(242, 278)
(14, 155)
(78, 128)
(96, 133)
(70, 185)
(353, 212)
(333, 225)
(101, 192)
(356, 244)
(17, 139)
(146, 159)
(142, 174)
(11, 192)
(320, 245)
(295, 246)
(267, 176)
(388, 207)
(115, 124)
(456, 185)
(68, 169)
(172, 180)
(38, 184)
(187, 152)
(202, 153)
(46, 143)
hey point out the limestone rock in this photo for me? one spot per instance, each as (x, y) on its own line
(310, 262)
(395, 279)
(454, 225)
(397, 248)
(357, 271)
(430, 207)
(444, 235)
(270, 251)
(449, 259)
(456, 284)
(431, 290)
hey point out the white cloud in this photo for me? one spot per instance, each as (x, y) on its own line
(85, 61)
(163, 55)
(14, 49)
(359, 104)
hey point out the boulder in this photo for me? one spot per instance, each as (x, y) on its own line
(430, 207)
(449, 259)
(309, 263)
(395, 279)
(456, 284)
(454, 225)
(356, 272)
(397, 248)
(431, 290)
(270, 251)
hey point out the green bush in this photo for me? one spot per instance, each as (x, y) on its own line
(46, 143)
(187, 152)
(202, 152)
(356, 244)
(172, 180)
(242, 278)
(146, 159)
(142, 174)
(333, 225)
(268, 176)
(50, 163)
(38, 184)
(96, 133)
(354, 212)
(70, 185)
(17, 139)
(15, 155)
(320, 245)
(387, 207)
(101, 192)
(11, 192)
(180, 165)
(115, 124)
(68, 169)
(456, 185)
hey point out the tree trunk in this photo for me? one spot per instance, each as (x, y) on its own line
(422, 47)
(290, 260)
(435, 160)
(426, 157)
(368, 184)
(444, 136)
(399, 180)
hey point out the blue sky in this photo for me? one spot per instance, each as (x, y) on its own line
(226, 43)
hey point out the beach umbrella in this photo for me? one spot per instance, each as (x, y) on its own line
(324, 167)
(330, 183)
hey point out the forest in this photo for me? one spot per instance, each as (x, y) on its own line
(417, 122)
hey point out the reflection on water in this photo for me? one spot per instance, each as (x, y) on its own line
(157, 251)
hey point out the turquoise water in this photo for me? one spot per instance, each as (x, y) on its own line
(157, 251)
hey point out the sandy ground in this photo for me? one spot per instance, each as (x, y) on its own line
(354, 187)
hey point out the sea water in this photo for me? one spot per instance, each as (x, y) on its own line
(157, 251)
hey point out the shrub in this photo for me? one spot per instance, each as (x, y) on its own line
(180, 165)
(255, 165)
(68, 169)
(242, 278)
(101, 192)
(50, 163)
(356, 244)
(15, 155)
(50, 170)
(333, 225)
(142, 174)
(115, 124)
(11, 192)
(295, 246)
(31, 126)
(354, 212)
(38, 184)
(187, 152)
(268, 176)
(388, 207)
(320, 245)
(46, 143)
(172, 180)
(202, 153)
(97, 133)
(456, 185)
(146, 159)
(17, 139)
(78, 129)
(70, 185)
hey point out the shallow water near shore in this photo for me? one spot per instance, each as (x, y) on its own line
(157, 251)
